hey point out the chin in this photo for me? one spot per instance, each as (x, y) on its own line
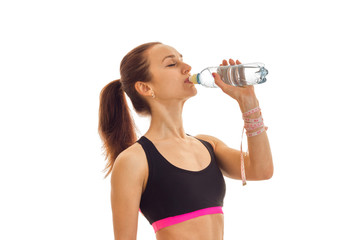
(194, 92)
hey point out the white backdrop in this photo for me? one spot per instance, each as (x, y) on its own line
(56, 56)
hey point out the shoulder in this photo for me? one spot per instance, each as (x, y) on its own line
(133, 152)
(131, 162)
(211, 139)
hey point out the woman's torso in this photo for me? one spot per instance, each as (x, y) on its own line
(192, 156)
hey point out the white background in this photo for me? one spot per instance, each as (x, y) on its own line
(56, 56)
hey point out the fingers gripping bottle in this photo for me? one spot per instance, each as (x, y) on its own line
(235, 75)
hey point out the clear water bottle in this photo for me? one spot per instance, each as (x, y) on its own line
(235, 75)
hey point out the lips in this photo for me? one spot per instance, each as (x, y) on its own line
(187, 81)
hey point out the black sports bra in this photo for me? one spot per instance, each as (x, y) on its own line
(174, 195)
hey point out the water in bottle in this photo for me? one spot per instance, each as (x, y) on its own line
(235, 75)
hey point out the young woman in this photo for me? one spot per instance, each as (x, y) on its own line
(174, 179)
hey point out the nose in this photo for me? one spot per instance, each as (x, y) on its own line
(186, 69)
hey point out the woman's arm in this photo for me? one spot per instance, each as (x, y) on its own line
(258, 167)
(126, 188)
(260, 158)
(258, 164)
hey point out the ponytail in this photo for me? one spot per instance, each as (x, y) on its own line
(116, 126)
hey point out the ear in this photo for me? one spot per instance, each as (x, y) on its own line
(143, 89)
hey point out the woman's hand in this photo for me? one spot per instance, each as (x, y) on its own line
(244, 95)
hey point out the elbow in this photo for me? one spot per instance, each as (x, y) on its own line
(265, 174)
(265, 177)
(269, 173)
(268, 176)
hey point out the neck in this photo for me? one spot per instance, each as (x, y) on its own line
(166, 122)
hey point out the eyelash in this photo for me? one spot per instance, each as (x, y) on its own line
(172, 65)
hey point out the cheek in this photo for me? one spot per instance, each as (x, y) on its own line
(169, 89)
(169, 82)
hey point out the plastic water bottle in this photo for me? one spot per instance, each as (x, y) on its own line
(235, 75)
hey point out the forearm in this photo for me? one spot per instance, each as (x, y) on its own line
(259, 152)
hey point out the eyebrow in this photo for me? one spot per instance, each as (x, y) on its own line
(171, 56)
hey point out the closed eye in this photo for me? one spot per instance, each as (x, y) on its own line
(171, 65)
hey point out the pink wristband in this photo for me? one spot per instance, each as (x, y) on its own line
(251, 111)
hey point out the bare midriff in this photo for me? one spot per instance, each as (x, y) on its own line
(207, 227)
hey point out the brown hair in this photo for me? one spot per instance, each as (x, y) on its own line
(116, 125)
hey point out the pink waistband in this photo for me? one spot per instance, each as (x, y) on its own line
(183, 217)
